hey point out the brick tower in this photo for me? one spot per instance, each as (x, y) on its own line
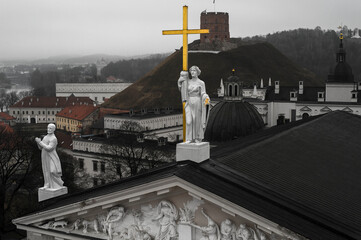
(218, 25)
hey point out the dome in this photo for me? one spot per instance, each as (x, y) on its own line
(343, 73)
(232, 119)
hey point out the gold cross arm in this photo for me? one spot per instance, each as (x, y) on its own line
(185, 31)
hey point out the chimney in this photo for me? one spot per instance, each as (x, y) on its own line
(69, 110)
(300, 87)
(31, 99)
(261, 83)
(269, 82)
(277, 87)
(37, 99)
(22, 103)
(254, 94)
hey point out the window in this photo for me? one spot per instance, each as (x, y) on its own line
(39, 112)
(96, 98)
(95, 166)
(103, 98)
(23, 112)
(13, 112)
(32, 112)
(293, 95)
(320, 95)
(44, 113)
(81, 163)
(353, 95)
(18, 112)
(52, 112)
(49, 112)
(102, 167)
(27, 112)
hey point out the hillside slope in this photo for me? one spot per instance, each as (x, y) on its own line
(252, 62)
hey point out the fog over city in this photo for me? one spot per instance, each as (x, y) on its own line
(33, 29)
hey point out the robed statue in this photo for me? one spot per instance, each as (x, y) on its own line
(193, 92)
(50, 160)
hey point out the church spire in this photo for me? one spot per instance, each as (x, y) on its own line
(341, 54)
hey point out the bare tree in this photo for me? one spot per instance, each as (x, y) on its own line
(132, 152)
(16, 157)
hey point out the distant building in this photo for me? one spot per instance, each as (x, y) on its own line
(218, 25)
(98, 92)
(43, 109)
(77, 118)
(166, 123)
(279, 104)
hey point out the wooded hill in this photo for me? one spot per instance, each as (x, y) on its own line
(251, 61)
(315, 49)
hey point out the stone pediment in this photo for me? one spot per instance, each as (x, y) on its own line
(325, 109)
(170, 208)
(305, 109)
(347, 109)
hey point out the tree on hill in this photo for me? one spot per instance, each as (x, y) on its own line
(133, 69)
(4, 81)
(315, 49)
(44, 83)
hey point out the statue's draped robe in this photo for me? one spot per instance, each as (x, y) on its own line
(51, 162)
(196, 110)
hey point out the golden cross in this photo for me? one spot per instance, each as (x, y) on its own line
(185, 31)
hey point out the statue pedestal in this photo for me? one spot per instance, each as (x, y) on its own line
(196, 152)
(46, 193)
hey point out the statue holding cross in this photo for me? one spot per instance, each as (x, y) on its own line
(195, 100)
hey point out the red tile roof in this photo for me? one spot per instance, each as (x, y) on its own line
(5, 128)
(52, 102)
(5, 116)
(105, 111)
(77, 112)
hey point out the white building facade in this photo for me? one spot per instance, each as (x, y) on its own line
(98, 92)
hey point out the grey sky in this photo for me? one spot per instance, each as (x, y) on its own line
(43, 28)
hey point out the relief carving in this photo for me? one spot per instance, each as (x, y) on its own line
(160, 222)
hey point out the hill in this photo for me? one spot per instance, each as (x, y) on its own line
(252, 62)
(315, 49)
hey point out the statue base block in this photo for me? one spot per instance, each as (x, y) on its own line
(196, 152)
(47, 193)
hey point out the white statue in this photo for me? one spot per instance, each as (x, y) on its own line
(211, 231)
(197, 103)
(167, 216)
(50, 160)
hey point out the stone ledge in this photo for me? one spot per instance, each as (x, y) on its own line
(197, 152)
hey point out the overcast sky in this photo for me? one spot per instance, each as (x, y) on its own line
(43, 28)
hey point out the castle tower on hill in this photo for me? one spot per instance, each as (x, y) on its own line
(218, 25)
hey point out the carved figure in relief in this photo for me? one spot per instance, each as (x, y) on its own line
(228, 230)
(76, 224)
(211, 231)
(134, 233)
(196, 106)
(259, 235)
(115, 214)
(167, 216)
(58, 224)
(245, 233)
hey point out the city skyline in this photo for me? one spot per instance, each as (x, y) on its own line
(40, 28)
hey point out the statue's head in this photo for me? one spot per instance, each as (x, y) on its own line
(51, 128)
(195, 70)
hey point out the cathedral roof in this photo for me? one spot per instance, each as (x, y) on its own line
(232, 119)
(298, 175)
